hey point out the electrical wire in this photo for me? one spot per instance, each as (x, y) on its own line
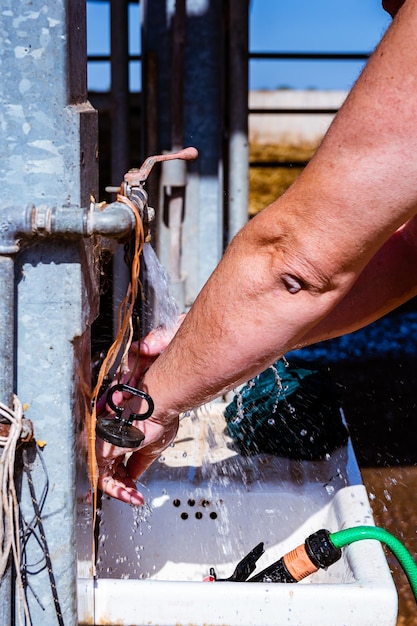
(122, 342)
(36, 528)
(9, 509)
(347, 536)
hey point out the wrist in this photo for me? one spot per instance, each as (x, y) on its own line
(145, 398)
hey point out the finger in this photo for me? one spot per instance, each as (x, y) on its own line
(103, 407)
(138, 463)
(101, 404)
(137, 367)
(121, 488)
(142, 459)
(157, 340)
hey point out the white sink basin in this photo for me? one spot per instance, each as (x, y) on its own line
(207, 506)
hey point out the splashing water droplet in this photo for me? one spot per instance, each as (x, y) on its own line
(165, 308)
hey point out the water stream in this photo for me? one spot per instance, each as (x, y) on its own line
(164, 308)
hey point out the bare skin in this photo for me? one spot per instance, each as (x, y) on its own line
(389, 280)
(309, 266)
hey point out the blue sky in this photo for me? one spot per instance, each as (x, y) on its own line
(312, 26)
(275, 25)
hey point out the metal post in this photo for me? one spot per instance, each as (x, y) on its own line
(202, 127)
(7, 364)
(119, 129)
(174, 180)
(49, 157)
(119, 90)
(7, 329)
(238, 197)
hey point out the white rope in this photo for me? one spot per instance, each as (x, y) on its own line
(9, 509)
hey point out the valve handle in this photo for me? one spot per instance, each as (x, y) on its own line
(136, 176)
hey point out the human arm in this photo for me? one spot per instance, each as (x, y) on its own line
(356, 191)
(389, 280)
(293, 263)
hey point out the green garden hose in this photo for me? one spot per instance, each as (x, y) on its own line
(323, 548)
(345, 537)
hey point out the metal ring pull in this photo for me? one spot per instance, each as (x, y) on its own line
(119, 431)
(135, 392)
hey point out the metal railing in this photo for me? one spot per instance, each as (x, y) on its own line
(297, 56)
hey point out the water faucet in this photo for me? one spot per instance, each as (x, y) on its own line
(119, 430)
(135, 177)
(132, 186)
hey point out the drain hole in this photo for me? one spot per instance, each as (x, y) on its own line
(176, 502)
(184, 515)
(205, 502)
(198, 515)
(191, 502)
(213, 515)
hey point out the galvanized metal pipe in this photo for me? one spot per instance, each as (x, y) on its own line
(115, 220)
(7, 382)
(119, 129)
(202, 228)
(119, 90)
(238, 117)
(49, 157)
(7, 329)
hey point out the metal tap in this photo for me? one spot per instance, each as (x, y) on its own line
(132, 186)
(114, 220)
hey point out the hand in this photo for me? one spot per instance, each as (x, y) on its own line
(150, 347)
(118, 473)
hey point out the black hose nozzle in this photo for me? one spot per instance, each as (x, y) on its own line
(317, 552)
(244, 568)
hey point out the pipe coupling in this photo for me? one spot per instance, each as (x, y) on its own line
(115, 220)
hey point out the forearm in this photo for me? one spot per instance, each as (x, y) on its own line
(292, 264)
(241, 330)
(389, 280)
(243, 319)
